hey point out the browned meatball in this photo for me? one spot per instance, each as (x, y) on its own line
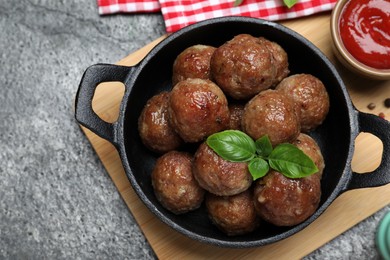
(243, 66)
(280, 60)
(193, 62)
(310, 94)
(174, 185)
(197, 108)
(286, 202)
(234, 215)
(271, 113)
(310, 147)
(153, 124)
(219, 176)
(236, 112)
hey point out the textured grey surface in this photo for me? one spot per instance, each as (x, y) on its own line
(56, 200)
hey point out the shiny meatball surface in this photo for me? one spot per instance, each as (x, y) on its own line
(271, 113)
(311, 97)
(154, 128)
(279, 58)
(234, 215)
(219, 176)
(193, 62)
(174, 184)
(286, 202)
(197, 109)
(236, 112)
(243, 66)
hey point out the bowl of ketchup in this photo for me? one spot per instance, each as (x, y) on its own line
(360, 32)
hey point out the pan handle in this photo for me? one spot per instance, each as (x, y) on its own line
(381, 128)
(93, 76)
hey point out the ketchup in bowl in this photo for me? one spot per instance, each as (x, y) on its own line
(364, 28)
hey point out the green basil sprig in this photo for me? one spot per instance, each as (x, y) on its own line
(237, 146)
(288, 3)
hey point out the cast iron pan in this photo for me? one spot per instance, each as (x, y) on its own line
(153, 74)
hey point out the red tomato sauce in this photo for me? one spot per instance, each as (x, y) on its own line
(365, 31)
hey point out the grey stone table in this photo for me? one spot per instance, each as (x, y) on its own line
(56, 200)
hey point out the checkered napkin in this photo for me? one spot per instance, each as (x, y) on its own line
(128, 6)
(178, 14)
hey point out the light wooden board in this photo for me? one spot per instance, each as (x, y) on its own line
(347, 210)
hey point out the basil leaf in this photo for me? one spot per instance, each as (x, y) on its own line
(263, 146)
(232, 145)
(238, 2)
(237, 146)
(290, 3)
(291, 161)
(258, 168)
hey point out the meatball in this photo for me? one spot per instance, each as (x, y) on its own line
(218, 176)
(271, 113)
(280, 59)
(153, 125)
(197, 109)
(193, 62)
(286, 202)
(310, 147)
(310, 95)
(236, 112)
(243, 66)
(234, 215)
(174, 184)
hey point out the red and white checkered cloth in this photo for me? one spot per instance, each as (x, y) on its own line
(178, 14)
(128, 6)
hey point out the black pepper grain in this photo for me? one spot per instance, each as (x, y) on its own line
(387, 102)
(371, 106)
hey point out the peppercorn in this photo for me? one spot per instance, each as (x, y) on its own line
(371, 106)
(387, 102)
(381, 115)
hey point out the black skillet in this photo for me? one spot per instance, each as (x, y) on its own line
(153, 74)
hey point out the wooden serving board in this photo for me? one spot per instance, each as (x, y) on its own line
(347, 210)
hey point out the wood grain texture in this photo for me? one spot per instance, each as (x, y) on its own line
(347, 210)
